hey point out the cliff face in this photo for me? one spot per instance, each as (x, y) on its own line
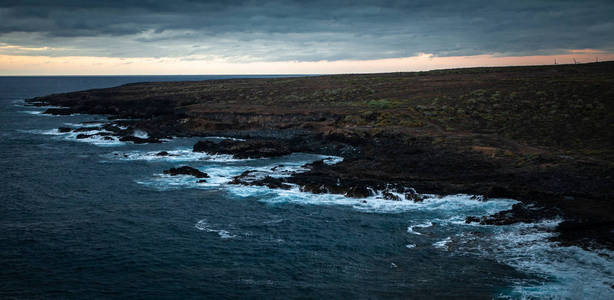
(538, 134)
(567, 108)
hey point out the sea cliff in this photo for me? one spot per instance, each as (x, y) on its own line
(542, 135)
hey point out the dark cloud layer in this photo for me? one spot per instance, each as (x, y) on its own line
(304, 30)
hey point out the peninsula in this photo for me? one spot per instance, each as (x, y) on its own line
(543, 135)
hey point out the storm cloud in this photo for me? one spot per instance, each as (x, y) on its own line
(302, 30)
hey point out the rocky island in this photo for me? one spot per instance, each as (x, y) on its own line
(543, 135)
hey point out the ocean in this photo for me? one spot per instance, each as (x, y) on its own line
(98, 218)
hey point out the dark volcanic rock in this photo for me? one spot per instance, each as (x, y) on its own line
(138, 140)
(322, 178)
(276, 183)
(520, 213)
(390, 196)
(473, 219)
(358, 192)
(498, 191)
(85, 129)
(185, 170)
(245, 149)
(586, 233)
(412, 195)
(162, 153)
(64, 129)
(59, 111)
(106, 135)
(259, 178)
(315, 188)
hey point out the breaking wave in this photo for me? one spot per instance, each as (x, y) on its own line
(437, 223)
(94, 136)
(204, 226)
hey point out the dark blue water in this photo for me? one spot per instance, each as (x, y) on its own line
(92, 219)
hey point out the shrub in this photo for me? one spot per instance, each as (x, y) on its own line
(380, 104)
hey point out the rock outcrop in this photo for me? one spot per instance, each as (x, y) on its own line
(244, 149)
(186, 170)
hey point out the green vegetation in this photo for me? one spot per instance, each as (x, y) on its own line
(569, 108)
(379, 104)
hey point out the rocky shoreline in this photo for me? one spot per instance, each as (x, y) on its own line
(398, 162)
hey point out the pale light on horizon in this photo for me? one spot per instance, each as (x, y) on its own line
(91, 65)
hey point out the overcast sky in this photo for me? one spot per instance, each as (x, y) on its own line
(249, 33)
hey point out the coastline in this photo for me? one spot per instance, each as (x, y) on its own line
(415, 130)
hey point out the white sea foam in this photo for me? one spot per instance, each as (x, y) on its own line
(220, 174)
(84, 125)
(567, 272)
(41, 109)
(204, 226)
(95, 139)
(458, 204)
(410, 229)
(224, 138)
(178, 155)
(165, 182)
(561, 272)
(443, 244)
(43, 131)
(140, 134)
(331, 160)
(19, 102)
(36, 113)
(45, 107)
(219, 177)
(564, 272)
(221, 170)
(100, 140)
(274, 221)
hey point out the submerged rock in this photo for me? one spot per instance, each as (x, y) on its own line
(390, 196)
(64, 129)
(138, 140)
(519, 213)
(185, 170)
(106, 135)
(244, 149)
(412, 195)
(59, 111)
(162, 153)
(85, 129)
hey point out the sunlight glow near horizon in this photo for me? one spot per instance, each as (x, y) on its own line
(87, 65)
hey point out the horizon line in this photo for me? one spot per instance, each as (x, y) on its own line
(307, 74)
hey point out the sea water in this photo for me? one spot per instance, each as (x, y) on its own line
(99, 218)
